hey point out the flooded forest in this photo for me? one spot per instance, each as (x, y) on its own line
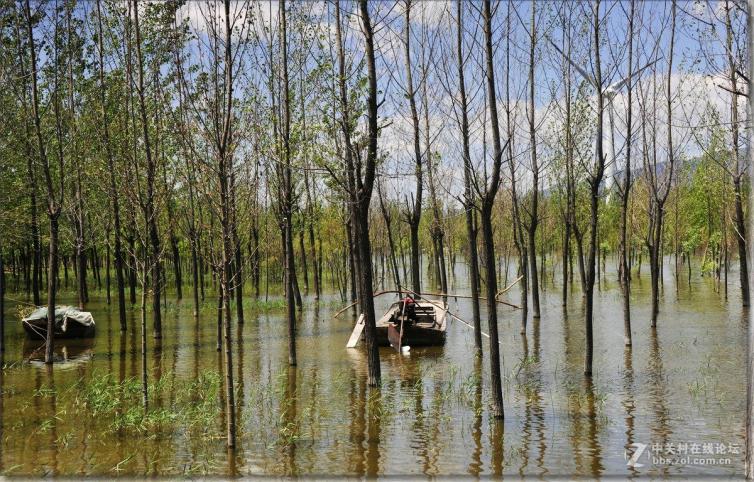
(374, 238)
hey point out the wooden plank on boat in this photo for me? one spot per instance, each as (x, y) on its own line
(394, 337)
(356, 334)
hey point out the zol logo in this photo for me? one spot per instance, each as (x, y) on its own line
(633, 453)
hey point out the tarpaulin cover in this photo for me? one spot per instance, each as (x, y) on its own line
(62, 315)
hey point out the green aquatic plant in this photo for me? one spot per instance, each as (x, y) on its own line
(194, 404)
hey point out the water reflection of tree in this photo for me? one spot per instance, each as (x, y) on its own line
(475, 466)
(658, 393)
(53, 419)
(357, 395)
(374, 432)
(534, 417)
(581, 406)
(288, 407)
(629, 402)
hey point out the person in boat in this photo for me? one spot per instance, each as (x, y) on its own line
(408, 306)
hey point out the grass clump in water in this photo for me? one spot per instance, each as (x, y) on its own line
(192, 406)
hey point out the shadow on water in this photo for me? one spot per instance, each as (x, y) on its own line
(679, 383)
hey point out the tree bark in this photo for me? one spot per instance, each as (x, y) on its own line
(114, 202)
(290, 268)
(594, 184)
(469, 207)
(414, 213)
(53, 204)
(533, 215)
(625, 190)
(488, 200)
(151, 215)
(738, 173)
(364, 193)
(749, 459)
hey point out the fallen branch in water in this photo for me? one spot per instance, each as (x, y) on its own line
(509, 287)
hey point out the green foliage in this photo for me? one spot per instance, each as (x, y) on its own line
(194, 405)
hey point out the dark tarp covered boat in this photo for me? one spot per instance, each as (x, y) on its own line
(69, 323)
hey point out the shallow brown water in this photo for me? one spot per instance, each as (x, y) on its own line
(683, 384)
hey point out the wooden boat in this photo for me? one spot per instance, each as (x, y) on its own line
(426, 327)
(69, 323)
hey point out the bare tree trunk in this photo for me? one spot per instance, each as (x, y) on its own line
(114, 201)
(488, 200)
(738, 173)
(414, 213)
(594, 184)
(2, 307)
(518, 230)
(309, 222)
(238, 279)
(625, 191)
(33, 269)
(290, 268)
(749, 356)
(150, 213)
(660, 191)
(389, 228)
(144, 374)
(364, 192)
(53, 204)
(225, 179)
(469, 208)
(533, 215)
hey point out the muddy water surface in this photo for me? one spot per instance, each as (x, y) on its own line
(680, 392)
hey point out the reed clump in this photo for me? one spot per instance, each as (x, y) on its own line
(189, 405)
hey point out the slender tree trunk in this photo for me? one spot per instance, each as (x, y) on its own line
(351, 255)
(107, 268)
(2, 307)
(749, 355)
(660, 192)
(415, 207)
(154, 238)
(144, 374)
(310, 228)
(518, 233)
(595, 181)
(304, 266)
(226, 183)
(364, 192)
(389, 228)
(738, 173)
(115, 206)
(486, 220)
(132, 269)
(80, 234)
(238, 278)
(625, 191)
(176, 267)
(290, 268)
(53, 204)
(32, 265)
(533, 215)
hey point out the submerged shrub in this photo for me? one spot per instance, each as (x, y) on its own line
(193, 404)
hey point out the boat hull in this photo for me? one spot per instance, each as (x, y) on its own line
(37, 330)
(413, 336)
(427, 329)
